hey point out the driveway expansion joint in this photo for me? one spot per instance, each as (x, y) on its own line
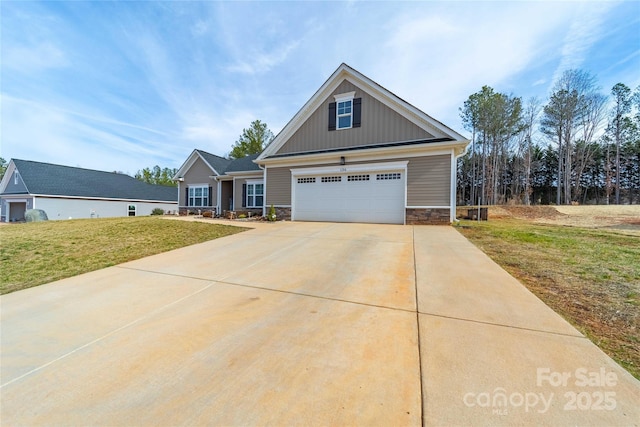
(107, 335)
(415, 283)
(261, 288)
(501, 325)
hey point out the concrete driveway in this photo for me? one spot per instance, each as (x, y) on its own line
(304, 324)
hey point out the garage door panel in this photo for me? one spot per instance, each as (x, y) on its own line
(357, 197)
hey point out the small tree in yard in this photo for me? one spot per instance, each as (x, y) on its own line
(272, 214)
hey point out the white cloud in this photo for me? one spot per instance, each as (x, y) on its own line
(258, 62)
(584, 31)
(36, 57)
(35, 131)
(437, 57)
(141, 92)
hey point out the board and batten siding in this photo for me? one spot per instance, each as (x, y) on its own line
(428, 180)
(12, 187)
(380, 124)
(278, 186)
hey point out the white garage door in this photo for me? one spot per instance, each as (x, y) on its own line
(354, 196)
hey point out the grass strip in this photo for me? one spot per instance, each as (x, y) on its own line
(590, 277)
(35, 253)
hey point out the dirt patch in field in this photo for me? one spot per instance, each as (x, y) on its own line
(526, 212)
(624, 219)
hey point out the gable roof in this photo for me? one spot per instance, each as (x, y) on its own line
(56, 180)
(345, 72)
(218, 165)
(243, 164)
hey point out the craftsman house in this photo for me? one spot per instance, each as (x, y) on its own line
(355, 152)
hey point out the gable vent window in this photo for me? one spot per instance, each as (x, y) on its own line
(358, 178)
(331, 179)
(306, 180)
(385, 176)
(346, 112)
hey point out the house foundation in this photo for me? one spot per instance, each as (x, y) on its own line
(428, 216)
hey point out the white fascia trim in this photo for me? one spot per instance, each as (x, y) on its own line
(244, 173)
(52, 196)
(408, 111)
(436, 149)
(303, 114)
(428, 207)
(390, 166)
(189, 162)
(7, 176)
(206, 184)
(402, 107)
(254, 181)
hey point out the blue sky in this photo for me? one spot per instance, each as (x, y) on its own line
(126, 85)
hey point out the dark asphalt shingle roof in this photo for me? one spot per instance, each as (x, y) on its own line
(216, 162)
(222, 165)
(58, 180)
(243, 164)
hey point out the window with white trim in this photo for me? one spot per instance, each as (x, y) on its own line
(131, 210)
(16, 176)
(255, 194)
(198, 195)
(344, 110)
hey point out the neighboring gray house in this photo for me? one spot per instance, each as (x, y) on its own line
(65, 192)
(355, 152)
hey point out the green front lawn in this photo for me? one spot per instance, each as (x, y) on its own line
(35, 253)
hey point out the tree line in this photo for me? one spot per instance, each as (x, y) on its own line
(581, 146)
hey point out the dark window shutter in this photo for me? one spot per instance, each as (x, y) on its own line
(244, 195)
(210, 198)
(186, 201)
(357, 109)
(332, 116)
